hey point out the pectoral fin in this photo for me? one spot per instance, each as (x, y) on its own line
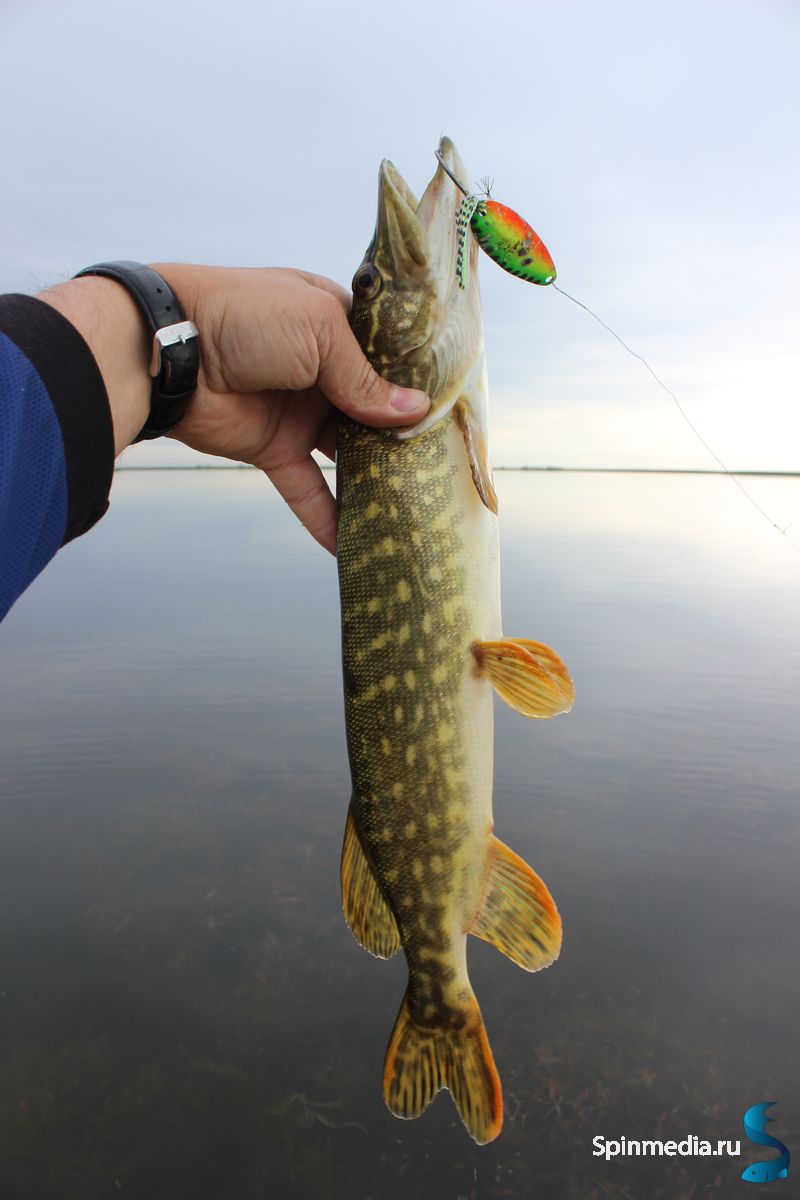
(370, 919)
(518, 915)
(527, 675)
(478, 456)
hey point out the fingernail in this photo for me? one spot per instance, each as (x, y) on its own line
(407, 399)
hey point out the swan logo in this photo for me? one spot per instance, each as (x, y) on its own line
(755, 1123)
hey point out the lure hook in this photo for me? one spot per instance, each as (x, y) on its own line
(447, 171)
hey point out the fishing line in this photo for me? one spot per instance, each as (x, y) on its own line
(731, 474)
(511, 242)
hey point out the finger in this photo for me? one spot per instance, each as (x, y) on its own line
(303, 487)
(350, 383)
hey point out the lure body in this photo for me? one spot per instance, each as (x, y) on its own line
(511, 242)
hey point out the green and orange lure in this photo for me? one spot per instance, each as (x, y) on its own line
(502, 234)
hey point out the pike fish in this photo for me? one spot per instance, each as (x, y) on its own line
(423, 649)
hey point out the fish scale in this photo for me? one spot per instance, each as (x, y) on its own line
(406, 639)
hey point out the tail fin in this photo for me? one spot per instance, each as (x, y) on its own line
(421, 1061)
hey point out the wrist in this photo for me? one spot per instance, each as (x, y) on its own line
(110, 323)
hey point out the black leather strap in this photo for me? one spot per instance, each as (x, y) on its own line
(176, 381)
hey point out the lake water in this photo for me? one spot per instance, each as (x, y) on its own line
(184, 1012)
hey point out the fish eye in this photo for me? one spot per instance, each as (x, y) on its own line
(367, 282)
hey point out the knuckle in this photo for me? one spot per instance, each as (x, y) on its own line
(371, 387)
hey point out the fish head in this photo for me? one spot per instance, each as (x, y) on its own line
(415, 323)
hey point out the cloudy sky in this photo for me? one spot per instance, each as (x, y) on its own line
(652, 145)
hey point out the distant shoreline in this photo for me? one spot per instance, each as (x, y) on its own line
(565, 470)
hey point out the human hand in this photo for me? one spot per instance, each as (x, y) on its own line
(278, 358)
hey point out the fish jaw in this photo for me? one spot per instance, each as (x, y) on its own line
(420, 328)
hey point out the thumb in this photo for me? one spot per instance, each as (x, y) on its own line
(349, 382)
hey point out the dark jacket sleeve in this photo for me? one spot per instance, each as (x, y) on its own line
(56, 440)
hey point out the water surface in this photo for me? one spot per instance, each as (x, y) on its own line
(185, 1014)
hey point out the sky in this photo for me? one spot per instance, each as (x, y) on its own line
(653, 147)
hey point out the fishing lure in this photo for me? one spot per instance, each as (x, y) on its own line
(513, 244)
(502, 234)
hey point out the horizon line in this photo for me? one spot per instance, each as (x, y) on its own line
(552, 469)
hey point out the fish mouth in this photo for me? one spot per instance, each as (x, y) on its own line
(415, 234)
(416, 320)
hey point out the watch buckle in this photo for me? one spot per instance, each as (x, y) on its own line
(170, 335)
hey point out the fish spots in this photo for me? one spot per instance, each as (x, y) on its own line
(416, 537)
(444, 733)
(411, 754)
(451, 611)
(435, 574)
(439, 673)
(397, 791)
(432, 821)
(420, 655)
(392, 874)
(404, 633)
(386, 746)
(399, 714)
(386, 547)
(372, 510)
(395, 482)
(437, 864)
(427, 623)
(386, 834)
(389, 683)
(453, 777)
(373, 604)
(374, 471)
(403, 590)
(410, 680)
(417, 869)
(378, 642)
(407, 901)
(410, 829)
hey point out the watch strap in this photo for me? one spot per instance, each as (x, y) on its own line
(176, 352)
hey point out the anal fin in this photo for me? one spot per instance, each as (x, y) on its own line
(518, 915)
(370, 919)
(528, 675)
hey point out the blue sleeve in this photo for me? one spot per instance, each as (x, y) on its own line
(56, 440)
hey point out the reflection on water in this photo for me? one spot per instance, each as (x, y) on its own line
(184, 1012)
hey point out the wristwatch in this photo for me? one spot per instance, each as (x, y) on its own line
(175, 363)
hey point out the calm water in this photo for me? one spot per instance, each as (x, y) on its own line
(185, 1014)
